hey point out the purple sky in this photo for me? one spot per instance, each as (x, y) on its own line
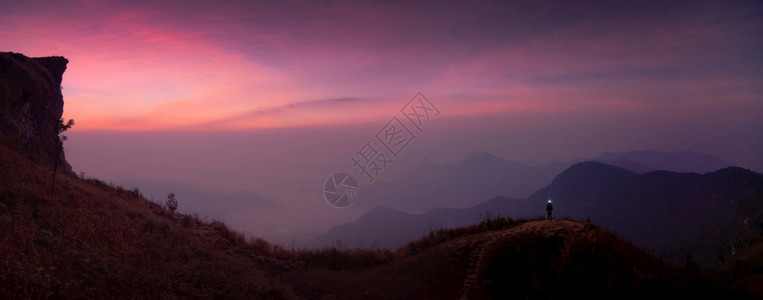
(275, 97)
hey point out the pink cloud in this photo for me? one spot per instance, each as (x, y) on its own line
(151, 67)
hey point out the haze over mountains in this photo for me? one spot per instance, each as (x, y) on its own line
(671, 213)
(458, 185)
(481, 175)
(650, 160)
(205, 202)
(468, 182)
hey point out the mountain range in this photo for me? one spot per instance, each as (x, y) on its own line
(386, 227)
(651, 160)
(429, 186)
(671, 213)
(481, 175)
(204, 202)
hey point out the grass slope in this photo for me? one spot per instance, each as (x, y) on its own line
(93, 240)
(515, 259)
(90, 239)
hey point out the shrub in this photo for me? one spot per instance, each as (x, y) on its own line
(172, 204)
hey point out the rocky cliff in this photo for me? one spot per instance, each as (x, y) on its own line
(31, 104)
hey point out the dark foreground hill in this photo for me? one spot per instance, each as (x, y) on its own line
(505, 259)
(93, 240)
(675, 214)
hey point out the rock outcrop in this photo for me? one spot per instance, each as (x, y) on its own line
(31, 104)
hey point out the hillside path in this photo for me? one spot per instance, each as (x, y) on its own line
(479, 245)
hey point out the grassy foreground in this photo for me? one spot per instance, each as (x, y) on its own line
(90, 239)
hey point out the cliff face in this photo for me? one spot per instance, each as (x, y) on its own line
(31, 104)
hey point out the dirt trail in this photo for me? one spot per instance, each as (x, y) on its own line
(464, 259)
(481, 243)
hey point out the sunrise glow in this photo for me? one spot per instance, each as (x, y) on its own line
(150, 67)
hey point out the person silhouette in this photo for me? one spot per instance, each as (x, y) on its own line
(549, 209)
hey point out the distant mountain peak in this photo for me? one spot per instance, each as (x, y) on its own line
(584, 173)
(380, 209)
(482, 157)
(463, 183)
(592, 164)
(380, 213)
(641, 161)
(425, 163)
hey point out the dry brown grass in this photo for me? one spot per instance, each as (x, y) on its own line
(92, 239)
(95, 240)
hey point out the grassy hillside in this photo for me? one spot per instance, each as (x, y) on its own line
(517, 259)
(89, 239)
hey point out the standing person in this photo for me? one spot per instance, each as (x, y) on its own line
(549, 209)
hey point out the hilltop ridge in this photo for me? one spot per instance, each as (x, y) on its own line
(502, 258)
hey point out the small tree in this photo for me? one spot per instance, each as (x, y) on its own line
(171, 203)
(59, 144)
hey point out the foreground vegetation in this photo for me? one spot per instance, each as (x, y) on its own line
(90, 239)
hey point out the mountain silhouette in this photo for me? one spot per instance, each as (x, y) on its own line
(385, 227)
(465, 183)
(649, 160)
(481, 175)
(671, 213)
(625, 163)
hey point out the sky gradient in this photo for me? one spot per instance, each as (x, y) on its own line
(150, 66)
(533, 81)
